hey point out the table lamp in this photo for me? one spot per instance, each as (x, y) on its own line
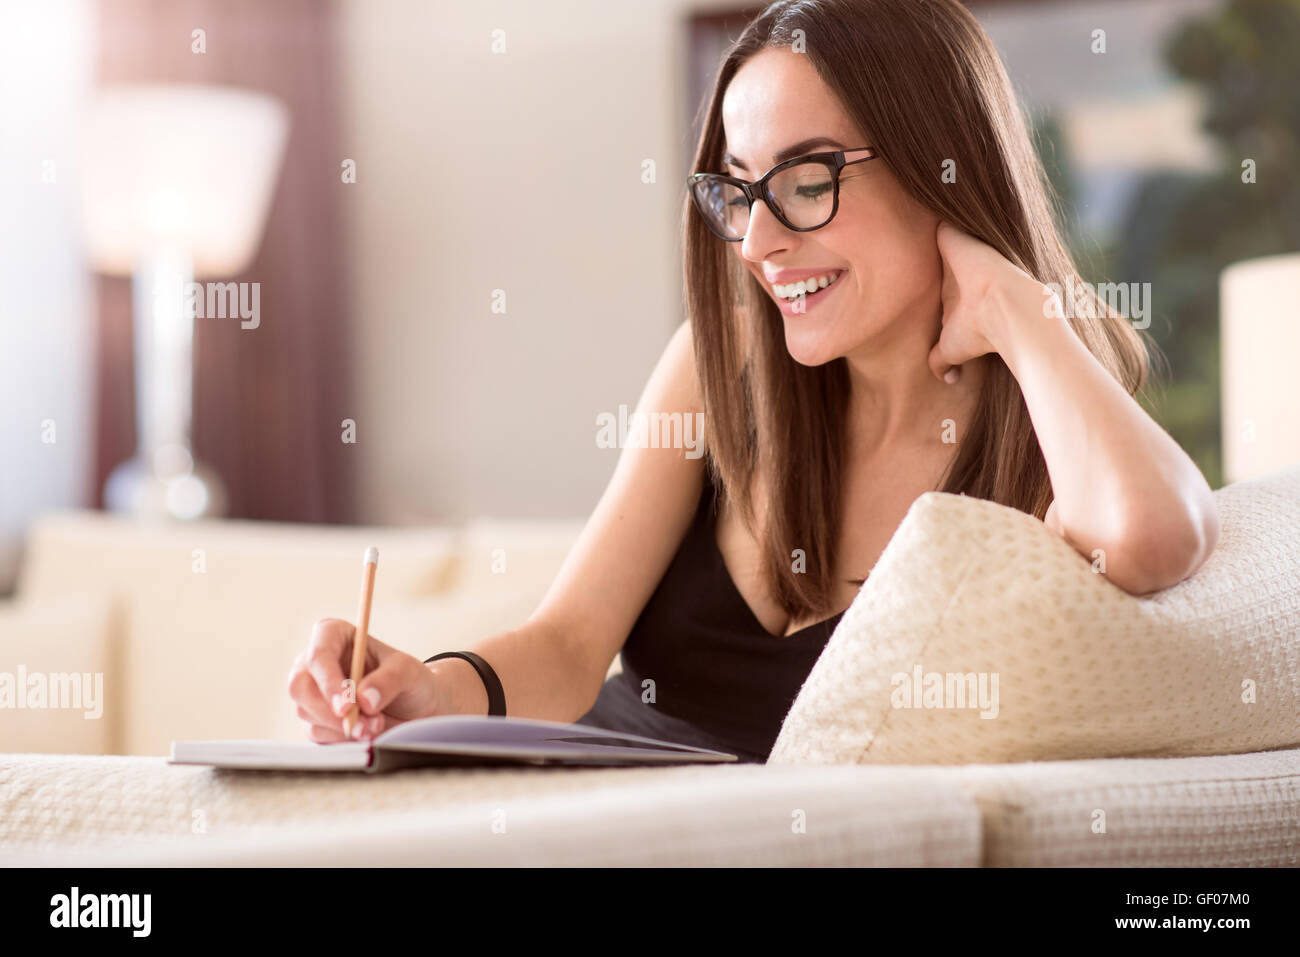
(177, 184)
(1259, 334)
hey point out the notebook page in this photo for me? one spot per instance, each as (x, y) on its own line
(274, 755)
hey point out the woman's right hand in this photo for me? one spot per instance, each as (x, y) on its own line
(397, 687)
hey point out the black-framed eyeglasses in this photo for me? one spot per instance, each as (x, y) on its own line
(803, 193)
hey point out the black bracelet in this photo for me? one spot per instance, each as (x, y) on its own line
(496, 694)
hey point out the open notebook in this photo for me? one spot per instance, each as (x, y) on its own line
(453, 739)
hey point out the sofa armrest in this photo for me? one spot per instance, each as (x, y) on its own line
(57, 663)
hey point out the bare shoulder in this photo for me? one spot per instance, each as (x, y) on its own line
(681, 373)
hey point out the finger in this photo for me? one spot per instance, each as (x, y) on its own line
(381, 687)
(376, 654)
(318, 712)
(306, 694)
(330, 639)
(948, 237)
(953, 239)
(296, 671)
(369, 726)
(323, 735)
(942, 369)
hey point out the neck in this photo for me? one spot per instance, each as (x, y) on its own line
(895, 401)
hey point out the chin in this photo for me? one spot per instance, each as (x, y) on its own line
(808, 347)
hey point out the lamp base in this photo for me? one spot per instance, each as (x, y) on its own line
(139, 489)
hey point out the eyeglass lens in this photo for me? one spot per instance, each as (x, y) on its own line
(804, 195)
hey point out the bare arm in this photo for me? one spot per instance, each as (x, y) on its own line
(552, 666)
(1124, 490)
(1121, 485)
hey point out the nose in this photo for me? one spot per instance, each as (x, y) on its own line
(765, 235)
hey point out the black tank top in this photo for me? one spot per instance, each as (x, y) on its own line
(721, 680)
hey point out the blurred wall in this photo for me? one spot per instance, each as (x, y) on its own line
(267, 398)
(519, 171)
(45, 306)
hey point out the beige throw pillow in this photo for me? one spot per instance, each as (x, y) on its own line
(982, 636)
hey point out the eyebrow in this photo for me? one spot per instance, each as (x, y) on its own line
(790, 152)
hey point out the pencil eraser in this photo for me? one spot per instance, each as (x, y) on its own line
(372, 556)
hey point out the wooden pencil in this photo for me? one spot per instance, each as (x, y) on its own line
(369, 566)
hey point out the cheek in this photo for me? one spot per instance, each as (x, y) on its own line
(888, 255)
(747, 268)
(913, 272)
(893, 267)
(898, 249)
(917, 235)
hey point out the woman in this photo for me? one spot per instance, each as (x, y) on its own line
(852, 344)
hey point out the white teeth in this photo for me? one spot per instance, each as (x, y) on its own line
(804, 286)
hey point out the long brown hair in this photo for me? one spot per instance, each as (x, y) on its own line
(924, 79)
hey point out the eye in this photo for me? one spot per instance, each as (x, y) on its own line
(813, 192)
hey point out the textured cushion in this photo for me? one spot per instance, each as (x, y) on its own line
(1082, 669)
(1237, 810)
(80, 810)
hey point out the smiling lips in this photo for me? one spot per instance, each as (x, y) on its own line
(793, 290)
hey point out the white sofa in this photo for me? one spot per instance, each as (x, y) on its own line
(194, 628)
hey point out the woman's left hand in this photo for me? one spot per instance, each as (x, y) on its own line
(978, 282)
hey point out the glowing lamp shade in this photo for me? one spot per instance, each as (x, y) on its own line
(186, 167)
(1259, 328)
(177, 183)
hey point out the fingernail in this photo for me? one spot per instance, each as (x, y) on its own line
(950, 376)
(375, 725)
(371, 696)
(337, 703)
(358, 730)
